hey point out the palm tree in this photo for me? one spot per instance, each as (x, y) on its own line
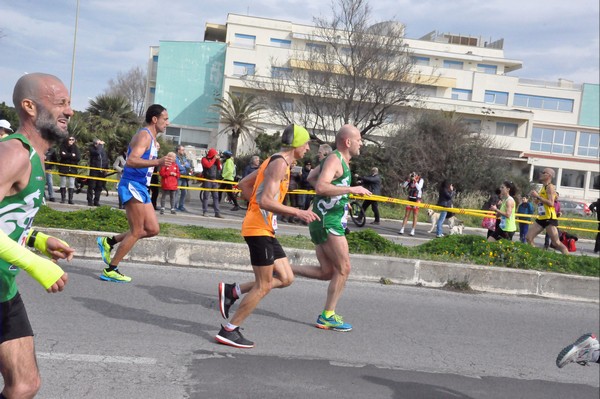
(113, 108)
(238, 112)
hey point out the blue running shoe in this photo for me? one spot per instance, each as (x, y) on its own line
(334, 323)
(105, 249)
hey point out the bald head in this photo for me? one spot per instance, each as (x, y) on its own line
(43, 104)
(36, 87)
(550, 172)
(345, 132)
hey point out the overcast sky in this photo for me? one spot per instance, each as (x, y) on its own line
(554, 38)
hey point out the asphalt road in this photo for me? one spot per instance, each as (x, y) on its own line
(154, 338)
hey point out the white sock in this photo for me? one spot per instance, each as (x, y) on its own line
(238, 290)
(230, 327)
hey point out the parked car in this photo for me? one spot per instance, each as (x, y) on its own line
(574, 207)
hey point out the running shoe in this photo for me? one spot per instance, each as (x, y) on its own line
(115, 276)
(334, 323)
(580, 352)
(233, 338)
(226, 298)
(105, 249)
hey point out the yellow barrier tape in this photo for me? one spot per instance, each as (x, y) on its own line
(379, 198)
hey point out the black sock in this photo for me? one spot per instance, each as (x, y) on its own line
(110, 268)
(111, 241)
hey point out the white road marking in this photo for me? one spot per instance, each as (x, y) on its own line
(96, 358)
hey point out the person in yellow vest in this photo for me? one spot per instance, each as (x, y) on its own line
(507, 226)
(547, 217)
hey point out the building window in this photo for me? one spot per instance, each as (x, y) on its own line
(242, 40)
(287, 104)
(572, 178)
(461, 94)
(155, 58)
(424, 61)
(153, 90)
(485, 68)
(588, 144)
(506, 129)
(554, 141)
(320, 48)
(453, 64)
(594, 181)
(243, 69)
(473, 125)
(281, 72)
(283, 43)
(426, 91)
(540, 102)
(496, 97)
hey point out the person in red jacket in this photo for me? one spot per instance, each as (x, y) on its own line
(169, 175)
(211, 166)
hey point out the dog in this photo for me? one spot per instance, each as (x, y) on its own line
(456, 225)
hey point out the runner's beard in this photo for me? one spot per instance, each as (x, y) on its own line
(46, 125)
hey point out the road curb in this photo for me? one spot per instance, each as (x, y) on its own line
(232, 256)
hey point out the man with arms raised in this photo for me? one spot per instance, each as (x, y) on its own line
(142, 158)
(44, 108)
(547, 217)
(265, 189)
(331, 180)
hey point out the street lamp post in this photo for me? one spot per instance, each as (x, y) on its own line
(74, 46)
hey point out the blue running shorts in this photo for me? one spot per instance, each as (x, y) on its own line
(129, 189)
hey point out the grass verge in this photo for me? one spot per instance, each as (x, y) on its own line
(468, 249)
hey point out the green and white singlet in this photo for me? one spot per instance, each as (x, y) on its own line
(17, 213)
(333, 211)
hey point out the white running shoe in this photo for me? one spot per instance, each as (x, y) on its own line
(412, 232)
(401, 231)
(579, 352)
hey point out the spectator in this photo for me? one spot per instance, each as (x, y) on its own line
(305, 185)
(373, 184)
(98, 166)
(185, 169)
(68, 155)
(118, 165)
(525, 208)
(324, 151)
(507, 227)
(5, 128)
(229, 175)
(414, 184)
(50, 156)
(490, 223)
(595, 207)
(252, 166)
(293, 184)
(211, 165)
(168, 183)
(446, 193)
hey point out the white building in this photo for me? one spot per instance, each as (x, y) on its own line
(542, 124)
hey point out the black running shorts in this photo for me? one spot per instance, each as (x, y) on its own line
(264, 250)
(14, 322)
(547, 222)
